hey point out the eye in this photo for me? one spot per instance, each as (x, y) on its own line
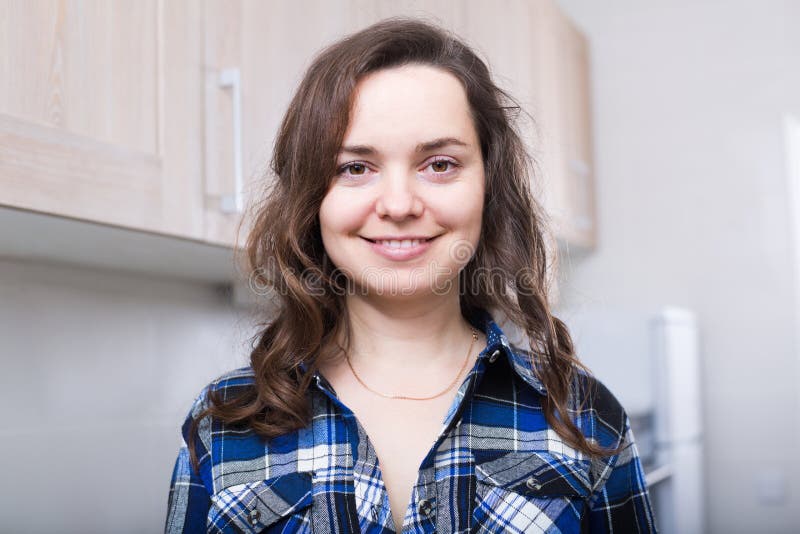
(360, 169)
(440, 166)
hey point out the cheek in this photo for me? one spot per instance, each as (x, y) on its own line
(339, 214)
(461, 213)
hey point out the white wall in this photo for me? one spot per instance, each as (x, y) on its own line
(97, 371)
(693, 211)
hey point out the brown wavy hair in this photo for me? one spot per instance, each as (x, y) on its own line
(285, 254)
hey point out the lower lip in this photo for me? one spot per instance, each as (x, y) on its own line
(401, 253)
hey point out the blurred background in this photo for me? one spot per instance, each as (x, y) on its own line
(134, 133)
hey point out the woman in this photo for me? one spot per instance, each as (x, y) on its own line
(383, 395)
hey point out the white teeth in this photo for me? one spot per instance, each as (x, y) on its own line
(405, 243)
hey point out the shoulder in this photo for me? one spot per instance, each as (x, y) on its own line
(591, 406)
(231, 381)
(597, 410)
(589, 396)
(206, 434)
(229, 384)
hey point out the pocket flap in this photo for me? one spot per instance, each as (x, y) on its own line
(535, 473)
(254, 506)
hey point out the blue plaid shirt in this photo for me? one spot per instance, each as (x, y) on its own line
(497, 466)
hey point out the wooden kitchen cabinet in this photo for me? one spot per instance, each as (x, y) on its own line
(100, 112)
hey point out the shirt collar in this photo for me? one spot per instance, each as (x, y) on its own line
(496, 340)
(518, 359)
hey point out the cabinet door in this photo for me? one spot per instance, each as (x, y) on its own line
(577, 116)
(562, 92)
(99, 112)
(446, 13)
(269, 45)
(502, 33)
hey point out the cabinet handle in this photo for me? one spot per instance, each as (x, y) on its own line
(582, 172)
(234, 202)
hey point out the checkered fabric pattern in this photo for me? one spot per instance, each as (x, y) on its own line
(496, 466)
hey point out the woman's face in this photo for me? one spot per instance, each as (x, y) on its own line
(409, 171)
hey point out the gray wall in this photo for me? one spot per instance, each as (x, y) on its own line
(98, 371)
(693, 210)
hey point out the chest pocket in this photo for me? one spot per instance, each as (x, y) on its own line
(279, 504)
(526, 492)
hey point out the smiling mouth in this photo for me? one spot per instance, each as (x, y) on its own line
(399, 240)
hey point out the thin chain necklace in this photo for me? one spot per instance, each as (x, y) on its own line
(466, 359)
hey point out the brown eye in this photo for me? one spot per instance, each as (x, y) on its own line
(351, 166)
(440, 166)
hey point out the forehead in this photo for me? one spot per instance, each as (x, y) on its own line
(410, 104)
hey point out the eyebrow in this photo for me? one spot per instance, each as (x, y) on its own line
(367, 150)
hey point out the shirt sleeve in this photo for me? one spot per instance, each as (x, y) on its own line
(621, 501)
(189, 499)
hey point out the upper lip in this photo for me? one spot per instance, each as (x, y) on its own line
(399, 237)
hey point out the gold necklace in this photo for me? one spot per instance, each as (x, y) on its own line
(466, 359)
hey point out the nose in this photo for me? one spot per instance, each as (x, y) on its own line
(397, 196)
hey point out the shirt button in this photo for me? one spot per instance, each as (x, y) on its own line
(374, 511)
(426, 507)
(254, 516)
(533, 484)
(494, 356)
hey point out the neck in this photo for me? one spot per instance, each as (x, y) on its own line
(410, 338)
